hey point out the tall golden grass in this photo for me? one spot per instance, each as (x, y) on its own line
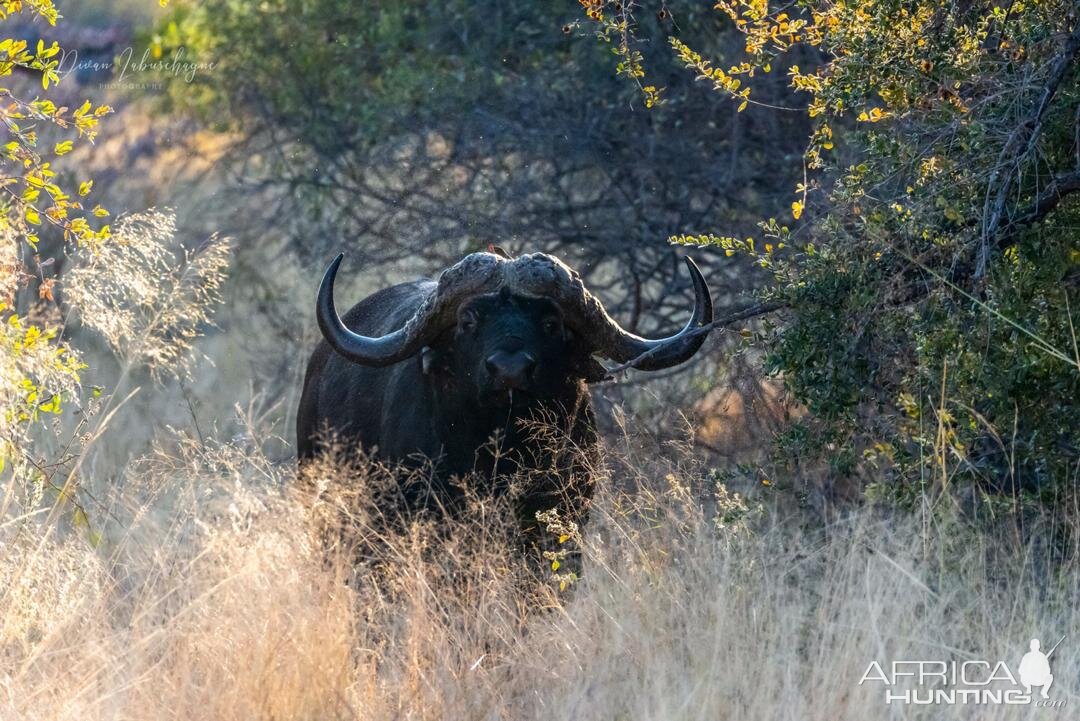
(223, 589)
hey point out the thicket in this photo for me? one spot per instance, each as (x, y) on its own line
(927, 263)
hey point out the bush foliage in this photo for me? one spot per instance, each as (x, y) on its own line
(39, 372)
(146, 296)
(929, 263)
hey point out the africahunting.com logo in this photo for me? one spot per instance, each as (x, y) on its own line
(968, 682)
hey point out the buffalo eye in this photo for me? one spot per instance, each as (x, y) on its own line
(467, 322)
(552, 326)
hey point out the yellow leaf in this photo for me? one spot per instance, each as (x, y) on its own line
(873, 116)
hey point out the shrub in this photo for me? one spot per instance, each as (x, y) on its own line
(929, 267)
(39, 371)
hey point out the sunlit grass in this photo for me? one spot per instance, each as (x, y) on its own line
(217, 596)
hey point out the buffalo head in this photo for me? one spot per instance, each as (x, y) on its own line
(526, 325)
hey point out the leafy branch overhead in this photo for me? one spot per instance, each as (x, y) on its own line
(38, 371)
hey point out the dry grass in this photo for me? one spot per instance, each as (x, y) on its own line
(213, 596)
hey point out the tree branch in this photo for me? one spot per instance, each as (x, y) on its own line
(1044, 204)
(1026, 135)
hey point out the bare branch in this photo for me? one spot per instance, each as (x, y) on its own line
(1044, 204)
(1026, 135)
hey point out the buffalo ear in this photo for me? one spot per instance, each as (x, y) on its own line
(431, 360)
(593, 371)
(585, 365)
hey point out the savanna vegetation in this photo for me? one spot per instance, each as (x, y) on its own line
(876, 458)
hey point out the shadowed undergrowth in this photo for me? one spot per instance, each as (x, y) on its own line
(214, 595)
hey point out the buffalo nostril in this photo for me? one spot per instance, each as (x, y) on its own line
(530, 366)
(511, 370)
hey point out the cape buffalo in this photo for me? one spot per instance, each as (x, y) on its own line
(438, 369)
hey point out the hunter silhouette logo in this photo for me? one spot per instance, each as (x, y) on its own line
(1035, 668)
(974, 681)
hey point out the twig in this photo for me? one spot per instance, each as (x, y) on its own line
(1049, 199)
